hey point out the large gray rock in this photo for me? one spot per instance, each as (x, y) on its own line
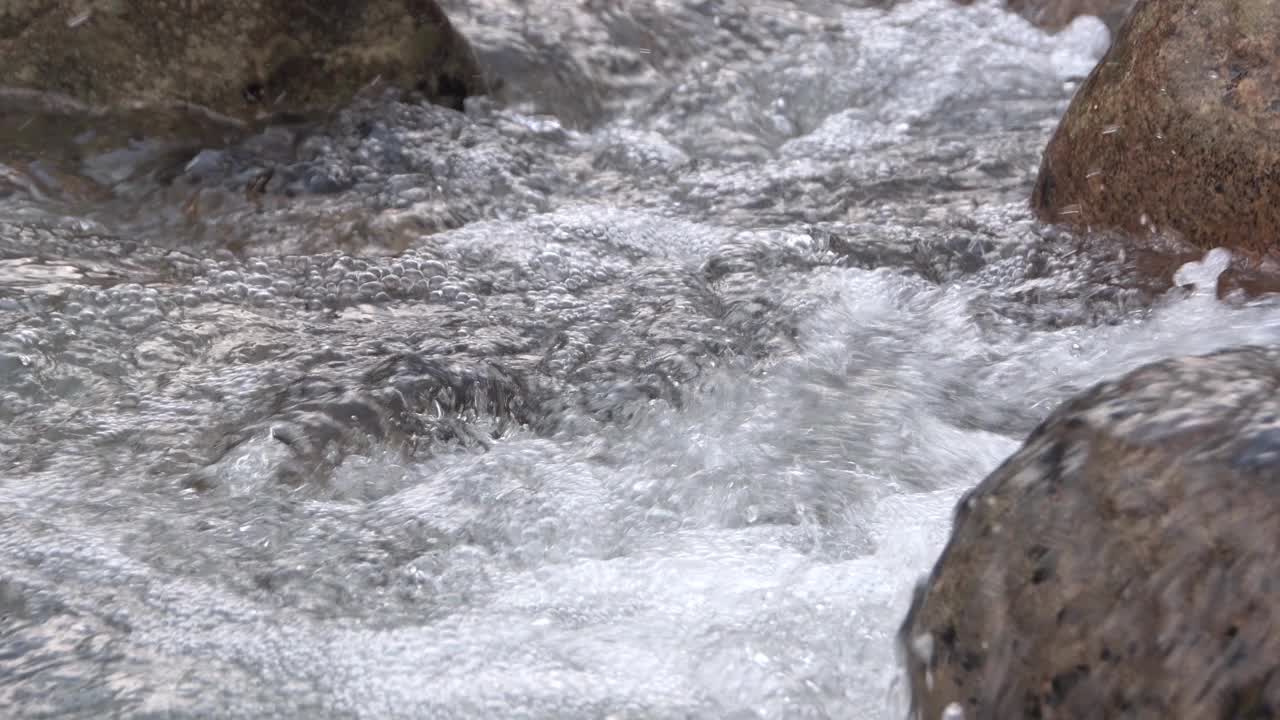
(1123, 563)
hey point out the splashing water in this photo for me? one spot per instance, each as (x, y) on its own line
(484, 416)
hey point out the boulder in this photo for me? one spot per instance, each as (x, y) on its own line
(1122, 563)
(1173, 134)
(237, 62)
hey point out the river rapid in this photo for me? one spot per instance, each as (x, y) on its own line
(647, 394)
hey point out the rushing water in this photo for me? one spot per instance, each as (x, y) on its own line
(657, 409)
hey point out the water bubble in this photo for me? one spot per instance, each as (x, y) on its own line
(922, 646)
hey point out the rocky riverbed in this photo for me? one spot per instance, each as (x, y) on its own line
(643, 390)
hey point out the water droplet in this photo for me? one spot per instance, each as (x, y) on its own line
(1111, 130)
(79, 19)
(922, 646)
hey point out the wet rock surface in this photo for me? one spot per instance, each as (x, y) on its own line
(1172, 137)
(1121, 563)
(76, 77)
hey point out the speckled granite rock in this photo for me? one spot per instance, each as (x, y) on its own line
(1122, 563)
(242, 59)
(1174, 132)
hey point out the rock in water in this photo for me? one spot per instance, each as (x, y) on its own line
(1175, 130)
(1122, 563)
(245, 60)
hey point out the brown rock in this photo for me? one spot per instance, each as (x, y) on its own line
(238, 61)
(1122, 563)
(1175, 131)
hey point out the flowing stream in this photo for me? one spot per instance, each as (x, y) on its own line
(646, 395)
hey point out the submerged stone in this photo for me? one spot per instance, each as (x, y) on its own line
(86, 76)
(1122, 563)
(1173, 135)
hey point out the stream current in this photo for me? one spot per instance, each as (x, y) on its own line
(647, 394)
